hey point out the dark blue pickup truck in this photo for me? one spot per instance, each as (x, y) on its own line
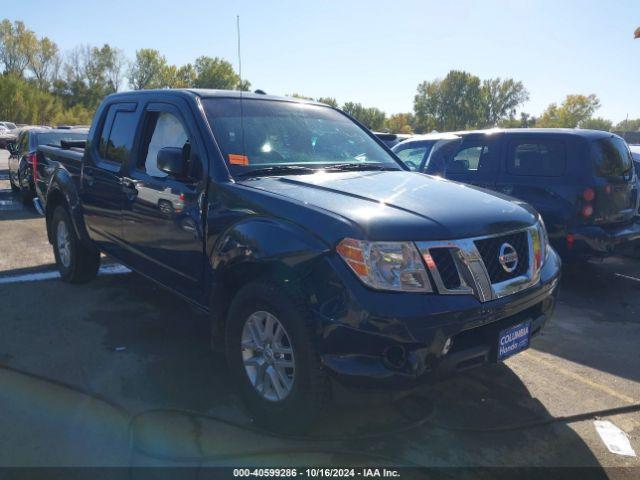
(317, 255)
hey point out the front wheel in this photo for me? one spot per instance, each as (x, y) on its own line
(76, 262)
(273, 358)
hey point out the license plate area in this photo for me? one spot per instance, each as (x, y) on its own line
(514, 339)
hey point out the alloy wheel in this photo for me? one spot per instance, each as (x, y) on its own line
(268, 356)
(63, 243)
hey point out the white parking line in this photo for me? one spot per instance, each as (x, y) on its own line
(50, 275)
(627, 277)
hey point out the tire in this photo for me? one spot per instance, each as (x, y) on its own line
(76, 262)
(27, 195)
(14, 187)
(310, 390)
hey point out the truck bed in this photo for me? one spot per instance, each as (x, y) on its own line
(50, 160)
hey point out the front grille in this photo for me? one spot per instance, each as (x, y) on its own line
(443, 258)
(489, 249)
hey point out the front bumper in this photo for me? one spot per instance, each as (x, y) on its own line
(599, 240)
(398, 340)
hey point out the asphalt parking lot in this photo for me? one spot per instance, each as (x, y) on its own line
(119, 373)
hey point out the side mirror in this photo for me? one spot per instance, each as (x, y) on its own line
(171, 160)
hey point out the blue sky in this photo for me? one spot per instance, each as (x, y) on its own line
(373, 52)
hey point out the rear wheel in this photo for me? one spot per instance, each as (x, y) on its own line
(273, 358)
(27, 194)
(76, 262)
(14, 187)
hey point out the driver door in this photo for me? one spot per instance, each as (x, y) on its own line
(163, 221)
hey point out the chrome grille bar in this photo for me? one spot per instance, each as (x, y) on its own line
(474, 278)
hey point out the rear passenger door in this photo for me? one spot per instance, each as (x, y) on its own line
(102, 171)
(534, 171)
(474, 162)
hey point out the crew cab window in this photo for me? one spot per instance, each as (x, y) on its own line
(544, 158)
(118, 132)
(121, 137)
(162, 129)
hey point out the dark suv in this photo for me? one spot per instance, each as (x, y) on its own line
(22, 155)
(582, 181)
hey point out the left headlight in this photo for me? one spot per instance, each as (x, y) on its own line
(393, 266)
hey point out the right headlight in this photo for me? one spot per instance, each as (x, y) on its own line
(395, 266)
(540, 243)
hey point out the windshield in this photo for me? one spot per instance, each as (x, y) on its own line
(54, 138)
(264, 133)
(611, 157)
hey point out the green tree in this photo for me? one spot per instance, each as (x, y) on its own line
(43, 61)
(179, 77)
(453, 103)
(525, 121)
(573, 111)
(332, 102)
(400, 123)
(597, 123)
(215, 73)
(371, 117)
(632, 125)
(148, 70)
(16, 46)
(500, 99)
(24, 102)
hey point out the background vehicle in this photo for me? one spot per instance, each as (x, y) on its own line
(635, 153)
(581, 181)
(415, 151)
(391, 139)
(8, 125)
(22, 156)
(317, 255)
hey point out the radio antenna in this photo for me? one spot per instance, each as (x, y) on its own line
(239, 52)
(240, 86)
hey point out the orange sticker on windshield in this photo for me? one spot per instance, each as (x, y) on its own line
(235, 159)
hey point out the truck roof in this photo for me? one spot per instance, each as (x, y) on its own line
(209, 93)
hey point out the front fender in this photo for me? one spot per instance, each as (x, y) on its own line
(265, 240)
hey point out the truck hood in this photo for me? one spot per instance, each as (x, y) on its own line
(399, 205)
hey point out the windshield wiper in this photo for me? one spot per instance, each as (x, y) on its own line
(277, 170)
(343, 167)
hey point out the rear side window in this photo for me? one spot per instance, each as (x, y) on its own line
(118, 130)
(121, 137)
(611, 157)
(541, 158)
